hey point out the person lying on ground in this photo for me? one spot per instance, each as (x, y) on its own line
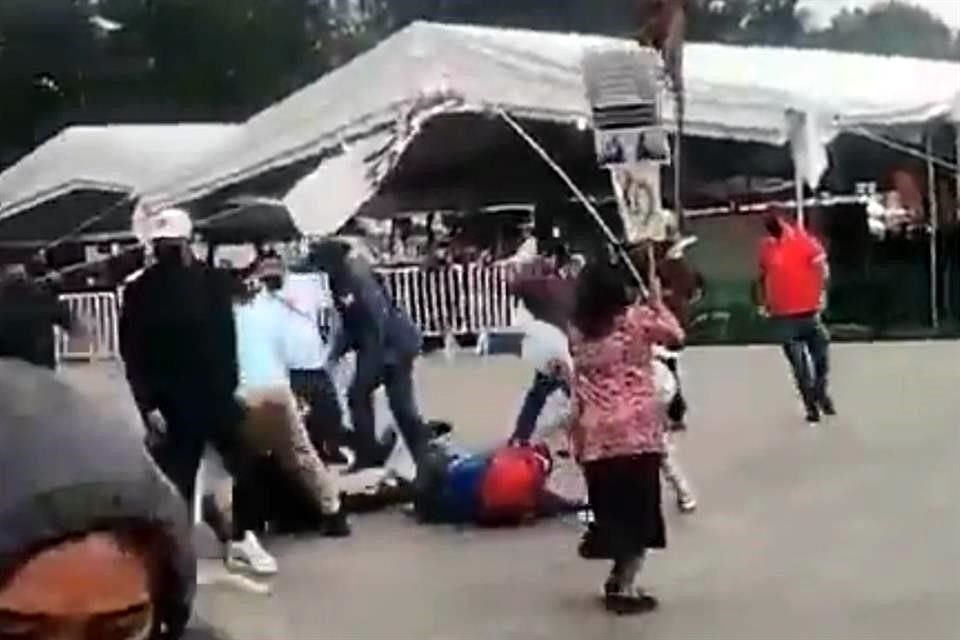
(96, 545)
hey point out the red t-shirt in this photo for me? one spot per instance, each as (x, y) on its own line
(792, 273)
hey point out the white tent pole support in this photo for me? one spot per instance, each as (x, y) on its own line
(580, 196)
(934, 228)
(798, 195)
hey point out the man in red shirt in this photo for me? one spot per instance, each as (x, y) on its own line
(793, 274)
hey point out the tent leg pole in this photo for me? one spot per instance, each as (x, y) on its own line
(798, 195)
(933, 228)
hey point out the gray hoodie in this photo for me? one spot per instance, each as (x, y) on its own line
(69, 469)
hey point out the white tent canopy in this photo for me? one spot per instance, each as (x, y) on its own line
(121, 158)
(374, 103)
(734, 92)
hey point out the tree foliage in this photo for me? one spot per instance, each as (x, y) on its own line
(890, 28)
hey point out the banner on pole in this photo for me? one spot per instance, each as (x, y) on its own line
(637, 188)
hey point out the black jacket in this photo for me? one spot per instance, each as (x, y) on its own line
(177, 334)
(369, 320)
(28, 314)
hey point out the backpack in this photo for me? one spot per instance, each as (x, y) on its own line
(513, 485)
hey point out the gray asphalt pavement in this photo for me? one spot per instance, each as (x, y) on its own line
(849, 531)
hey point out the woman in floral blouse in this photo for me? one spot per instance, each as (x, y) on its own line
(617, 432)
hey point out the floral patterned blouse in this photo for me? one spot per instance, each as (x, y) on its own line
(616, 412)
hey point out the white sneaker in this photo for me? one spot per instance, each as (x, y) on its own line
(250, 555)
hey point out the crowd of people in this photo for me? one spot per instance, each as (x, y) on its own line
(97, 546)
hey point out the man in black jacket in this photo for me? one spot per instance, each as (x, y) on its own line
(178, 341)
(386, 343)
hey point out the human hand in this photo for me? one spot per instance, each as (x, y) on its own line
(155, 423)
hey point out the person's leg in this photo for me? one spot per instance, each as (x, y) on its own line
(817, 339)
(296, 454)
(533, 403)
(398, 381)
(324, 420)
(366, 379)
(179, 451)
(795, 350)
(676, 478)
(229, 426)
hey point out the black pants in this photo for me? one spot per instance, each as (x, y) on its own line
(397, 380)
(325, 421)
(195, 420)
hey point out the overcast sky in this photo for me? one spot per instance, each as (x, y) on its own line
(947, 10)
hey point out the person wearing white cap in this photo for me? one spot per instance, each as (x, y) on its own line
(178, 342)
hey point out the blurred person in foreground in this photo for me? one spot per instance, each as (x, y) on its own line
(618, 426)
(178, 342)
(29, 312)
(792, 289)
(98, 545)
(264, 326)
(386, 343)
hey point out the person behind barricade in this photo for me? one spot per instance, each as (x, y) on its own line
(29, 313)
(274, 425)
(96, 546)
(791, 289)
(178, 344)
(386, 343)
(617, 426)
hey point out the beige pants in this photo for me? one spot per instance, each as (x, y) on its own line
(274, 426)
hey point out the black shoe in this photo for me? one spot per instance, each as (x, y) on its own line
(629, 604)
(813, 416)
(827, 406)
(335, 526)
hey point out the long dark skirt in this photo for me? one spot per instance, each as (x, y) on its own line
(625, 499)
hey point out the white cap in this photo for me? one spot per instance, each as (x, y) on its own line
(171, 224)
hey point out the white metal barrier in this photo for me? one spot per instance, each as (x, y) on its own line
(458, 300)
(100, 314)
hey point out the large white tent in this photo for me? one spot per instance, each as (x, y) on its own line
(741, 93)
(119, 158)
(363, 117)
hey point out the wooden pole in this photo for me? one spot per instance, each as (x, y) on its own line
(933, 230)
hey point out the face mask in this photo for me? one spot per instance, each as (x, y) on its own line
(273, 283)
(169, 255)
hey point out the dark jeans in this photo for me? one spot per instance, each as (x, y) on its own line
(397, 380)
(325, 421)
(195, 420)
(543, 386)
(806, 344)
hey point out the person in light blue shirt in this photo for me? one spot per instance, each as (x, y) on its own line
(263, 322)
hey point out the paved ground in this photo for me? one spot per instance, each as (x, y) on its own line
(846, 532)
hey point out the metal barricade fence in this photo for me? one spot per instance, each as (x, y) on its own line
(100, 314)
(458, 300)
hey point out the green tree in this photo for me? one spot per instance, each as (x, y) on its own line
(890, 28)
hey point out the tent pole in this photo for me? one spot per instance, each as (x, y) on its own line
(798, 195)
(933, 228)
(578, 194)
